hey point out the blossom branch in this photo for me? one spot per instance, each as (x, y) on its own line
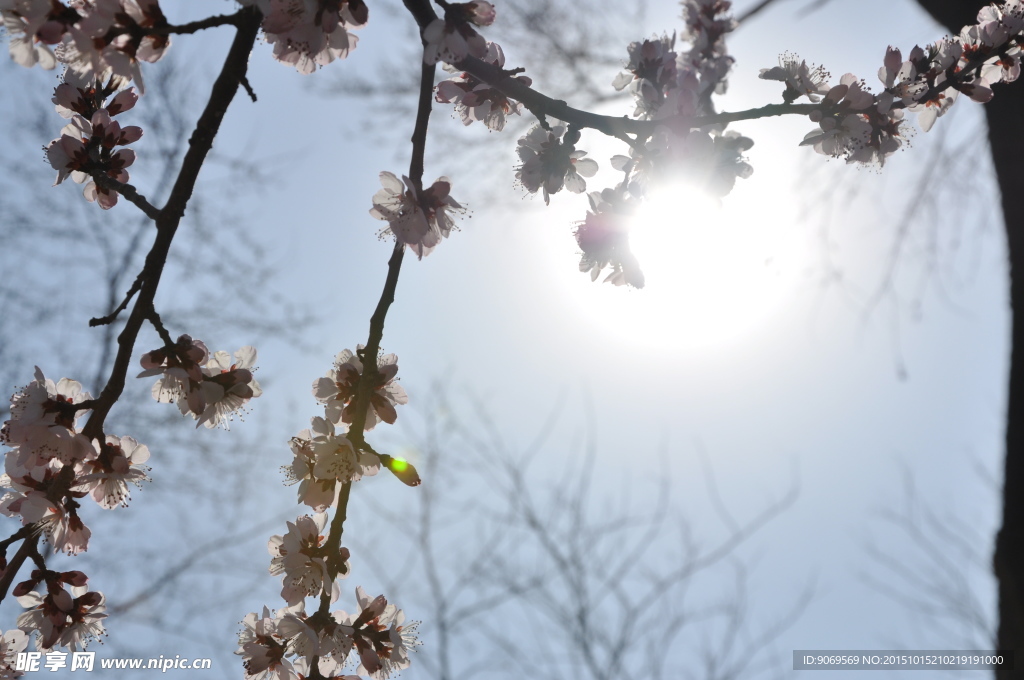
(62, 483)
(541, 106)
(369, 354)
(161, 28)
(335, 560)
(169, 217)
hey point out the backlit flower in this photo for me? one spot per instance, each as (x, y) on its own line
(298, 557)
(453, 38)
(418, 219)
(550, 163)
(477, 100)
(227, 387)
(338, 390)
(308, 34)
(800, 79)
(118, 464)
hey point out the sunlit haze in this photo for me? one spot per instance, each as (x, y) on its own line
(713, 272)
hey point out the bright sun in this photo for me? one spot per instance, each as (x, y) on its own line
(713, 273)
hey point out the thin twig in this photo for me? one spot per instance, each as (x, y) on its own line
(753, 11)
(27, 548)
(110, 318)
(248, 89)
(196, 26)
(129, 192)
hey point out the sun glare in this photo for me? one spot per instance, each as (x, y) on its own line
(713, 273)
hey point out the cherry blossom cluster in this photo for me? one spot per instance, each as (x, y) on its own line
(337, 390)
(668, 87)
(282, 644)
(454, 37)
(88, 144)
(51, 464)
(12, 643)
(49, 468)
(95, 39)
(476, 100)
(603, 238)
(800, 78)
(326, 458)
(300, 556)
(308, 34)
(667, 83)
(323, 460)
(63, 618)
(863, 127)
(416, 218)
(210, 388)
(707, 22)
(652, 75)
(551, 161)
